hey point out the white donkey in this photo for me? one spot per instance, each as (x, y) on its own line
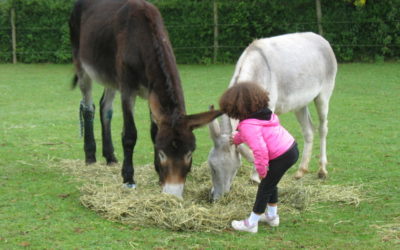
(295, 69)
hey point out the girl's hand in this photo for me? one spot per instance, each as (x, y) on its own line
(263, 173)
(231, 137)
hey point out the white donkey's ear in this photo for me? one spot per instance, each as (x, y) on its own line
(214, 129)
(226, 127)
(246, 153)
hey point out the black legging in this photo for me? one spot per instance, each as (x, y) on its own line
(267, 189)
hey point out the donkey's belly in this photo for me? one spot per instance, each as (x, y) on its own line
(99, 76)
(291, 102)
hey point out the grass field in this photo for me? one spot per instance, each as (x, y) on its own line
(40, 208)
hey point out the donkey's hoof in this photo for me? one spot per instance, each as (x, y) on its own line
(322, 174)
(299, 174)
(111, 161)
(90, 161)
(130, 186)
(255, 177)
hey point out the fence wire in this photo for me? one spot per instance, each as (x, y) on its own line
(185, 50)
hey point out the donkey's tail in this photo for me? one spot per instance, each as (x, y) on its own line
(74, 82)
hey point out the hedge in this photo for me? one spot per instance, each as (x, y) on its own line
(41, 30)
(357, 32)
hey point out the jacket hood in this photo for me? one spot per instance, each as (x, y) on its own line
(263, 114)
(273, 121)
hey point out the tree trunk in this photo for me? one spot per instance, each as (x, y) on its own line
(319, 16)
(215, 10)
(13, 36)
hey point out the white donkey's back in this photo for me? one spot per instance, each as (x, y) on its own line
(295, 69)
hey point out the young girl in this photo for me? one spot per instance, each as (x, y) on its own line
(274, 149)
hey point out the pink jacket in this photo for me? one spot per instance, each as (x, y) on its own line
(267, 139)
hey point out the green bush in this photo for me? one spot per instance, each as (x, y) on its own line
(5, 33)
(243, 21)
(190, 28)
(41, 30)
(357, 32)
(363, 33)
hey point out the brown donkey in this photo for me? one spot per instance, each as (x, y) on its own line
(123, 45)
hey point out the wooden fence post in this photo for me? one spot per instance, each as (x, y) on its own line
(319, 16)
(215, 10)
(13, 36)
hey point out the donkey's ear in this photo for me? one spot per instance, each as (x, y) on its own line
(201, 119)
(226, 126)
(214, 128)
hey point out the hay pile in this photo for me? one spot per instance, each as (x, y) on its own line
(146, 205)
(390, 232)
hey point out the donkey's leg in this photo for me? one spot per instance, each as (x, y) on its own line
(87, 114)
(129, 136)
(153, 133)
(304, 118)
(106, 112)
(322, 105)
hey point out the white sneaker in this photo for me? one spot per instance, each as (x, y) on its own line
(243, 225)
(272, 221)
(255, 177)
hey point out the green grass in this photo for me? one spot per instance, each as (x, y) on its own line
(40, 208)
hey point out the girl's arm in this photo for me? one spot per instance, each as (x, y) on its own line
(252, 136)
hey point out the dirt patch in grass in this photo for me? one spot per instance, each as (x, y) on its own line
(103, 192)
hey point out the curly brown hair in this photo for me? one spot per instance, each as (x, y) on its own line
(243, 99)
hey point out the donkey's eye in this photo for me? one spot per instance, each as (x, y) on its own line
(188, 157)
(163, 157)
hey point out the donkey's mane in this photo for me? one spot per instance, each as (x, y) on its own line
(165, 56)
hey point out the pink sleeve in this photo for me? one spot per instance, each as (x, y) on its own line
(237, 139)
(252, 136)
